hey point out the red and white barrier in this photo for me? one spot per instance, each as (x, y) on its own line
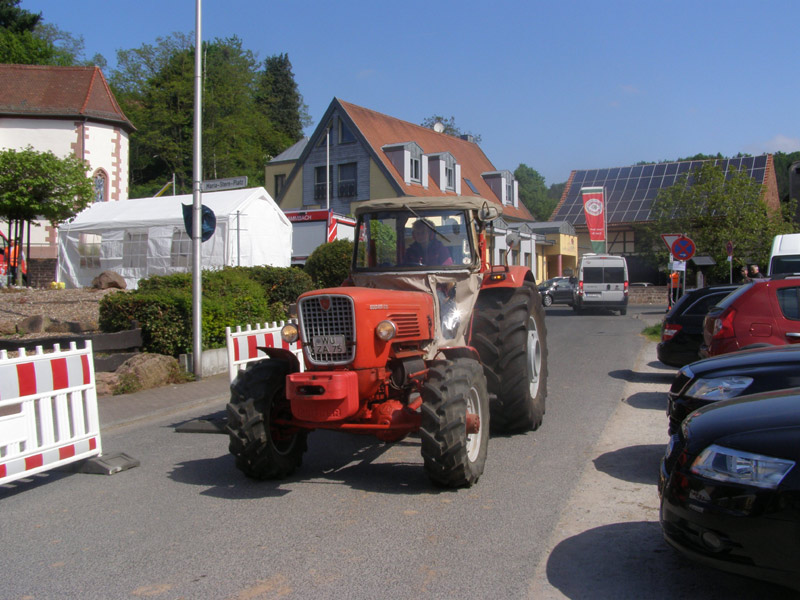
(48, 411)
(243, 345)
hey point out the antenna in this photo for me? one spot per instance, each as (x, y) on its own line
(438, 127)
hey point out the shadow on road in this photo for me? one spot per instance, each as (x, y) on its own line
(648, 400)
(637, 377)
(637, 464)
(631, 560)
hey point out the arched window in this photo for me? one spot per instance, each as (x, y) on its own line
(100, 185)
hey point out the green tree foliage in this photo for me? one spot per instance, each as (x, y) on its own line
(155, 87)
(450, 127)
(329, 264)
(533, 192)
(26, 40)
(41, 185)
(712, 211)
(279, 99)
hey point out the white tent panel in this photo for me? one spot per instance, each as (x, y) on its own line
(142, 237)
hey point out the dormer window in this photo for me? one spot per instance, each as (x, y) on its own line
(409, 161)
(445, 171)
(504, 186)
(414, 170)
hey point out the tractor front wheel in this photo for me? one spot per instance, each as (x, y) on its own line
(263, 448)
(455, 422)
(511, 338)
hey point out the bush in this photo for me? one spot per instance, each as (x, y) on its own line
(329, 264)
(281, 285)
(163, 308)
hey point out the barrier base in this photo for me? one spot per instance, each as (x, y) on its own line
(106, 464)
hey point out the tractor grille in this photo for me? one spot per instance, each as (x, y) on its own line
(407, 325)
(323, 329)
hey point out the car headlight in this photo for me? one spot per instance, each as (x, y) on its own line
(735, 466)
(719, 388)
(385, 330)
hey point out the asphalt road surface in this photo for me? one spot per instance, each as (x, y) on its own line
(568, 511)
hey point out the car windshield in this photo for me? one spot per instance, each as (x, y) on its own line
(413, 240)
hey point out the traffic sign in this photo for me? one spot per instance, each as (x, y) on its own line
(669, 239)
(729, 248)
(683, 248)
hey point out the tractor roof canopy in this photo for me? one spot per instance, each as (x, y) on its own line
(486, 209)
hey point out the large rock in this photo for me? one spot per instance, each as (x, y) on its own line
(109, 279)
(34, 324)
(145, 371)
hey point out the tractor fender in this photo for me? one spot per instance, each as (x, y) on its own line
(282, 355)
(506, 277)
(455, 352)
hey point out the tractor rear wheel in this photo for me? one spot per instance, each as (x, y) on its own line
(511, 338)
(263, 449)
(455, 422)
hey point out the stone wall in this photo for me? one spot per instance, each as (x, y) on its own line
(652, 294)
(41, 272)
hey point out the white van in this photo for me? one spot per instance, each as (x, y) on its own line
(785, 255)
(602, 282)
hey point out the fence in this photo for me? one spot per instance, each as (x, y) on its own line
(48, 410)
(243, 345)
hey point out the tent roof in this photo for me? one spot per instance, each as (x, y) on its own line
(167, 210)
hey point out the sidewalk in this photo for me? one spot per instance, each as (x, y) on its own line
(116, 411)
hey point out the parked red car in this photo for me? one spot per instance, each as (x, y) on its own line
(761, 313)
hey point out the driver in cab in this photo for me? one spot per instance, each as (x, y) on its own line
(426, 249)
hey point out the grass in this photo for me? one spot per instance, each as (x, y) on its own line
(652, 332)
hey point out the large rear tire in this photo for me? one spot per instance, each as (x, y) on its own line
(263, 449)
(511, 338)
(453, 457)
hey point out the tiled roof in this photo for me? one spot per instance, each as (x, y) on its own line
(380, 130)
(58, 92)
(631, 191)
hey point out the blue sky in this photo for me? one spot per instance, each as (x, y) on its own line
(555, 85)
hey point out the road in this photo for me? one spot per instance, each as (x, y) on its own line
(568, 511)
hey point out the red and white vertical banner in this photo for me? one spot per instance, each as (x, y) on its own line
(332, 226)
(594, 205)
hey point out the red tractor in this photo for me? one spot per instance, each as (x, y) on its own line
(424, 336)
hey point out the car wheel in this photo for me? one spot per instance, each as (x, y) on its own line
(547, 300)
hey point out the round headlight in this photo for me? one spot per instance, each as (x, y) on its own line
(289, 333)
(385, 330)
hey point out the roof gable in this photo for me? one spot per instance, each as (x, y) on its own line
(58, 92)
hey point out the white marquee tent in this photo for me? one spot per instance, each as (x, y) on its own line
(142, 237)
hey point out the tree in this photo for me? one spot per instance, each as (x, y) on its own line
(533, 192)
(39, 185)
(450, 127)
(279, 98)
(712, 211)
(26, 40)
(155, 87)
(782, 163)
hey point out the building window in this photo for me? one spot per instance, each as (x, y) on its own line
(280, 181)
(321, 183)
(414, 170)
(89, 250)
(509, 193)
(345, 135)
(450, 174)
(100, 184)
(348, 184)
(472, 187)
(180, 253)
(134, 250)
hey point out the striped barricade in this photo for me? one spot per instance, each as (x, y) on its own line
(243, 345)
(48, 410)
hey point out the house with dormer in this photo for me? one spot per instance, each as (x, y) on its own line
(67, 111)
(358, 154)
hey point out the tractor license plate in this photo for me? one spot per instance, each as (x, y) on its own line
(329, 344)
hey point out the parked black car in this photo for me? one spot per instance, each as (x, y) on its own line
(730, 376)
(682, 326)
(730, 487)
(557, 290)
